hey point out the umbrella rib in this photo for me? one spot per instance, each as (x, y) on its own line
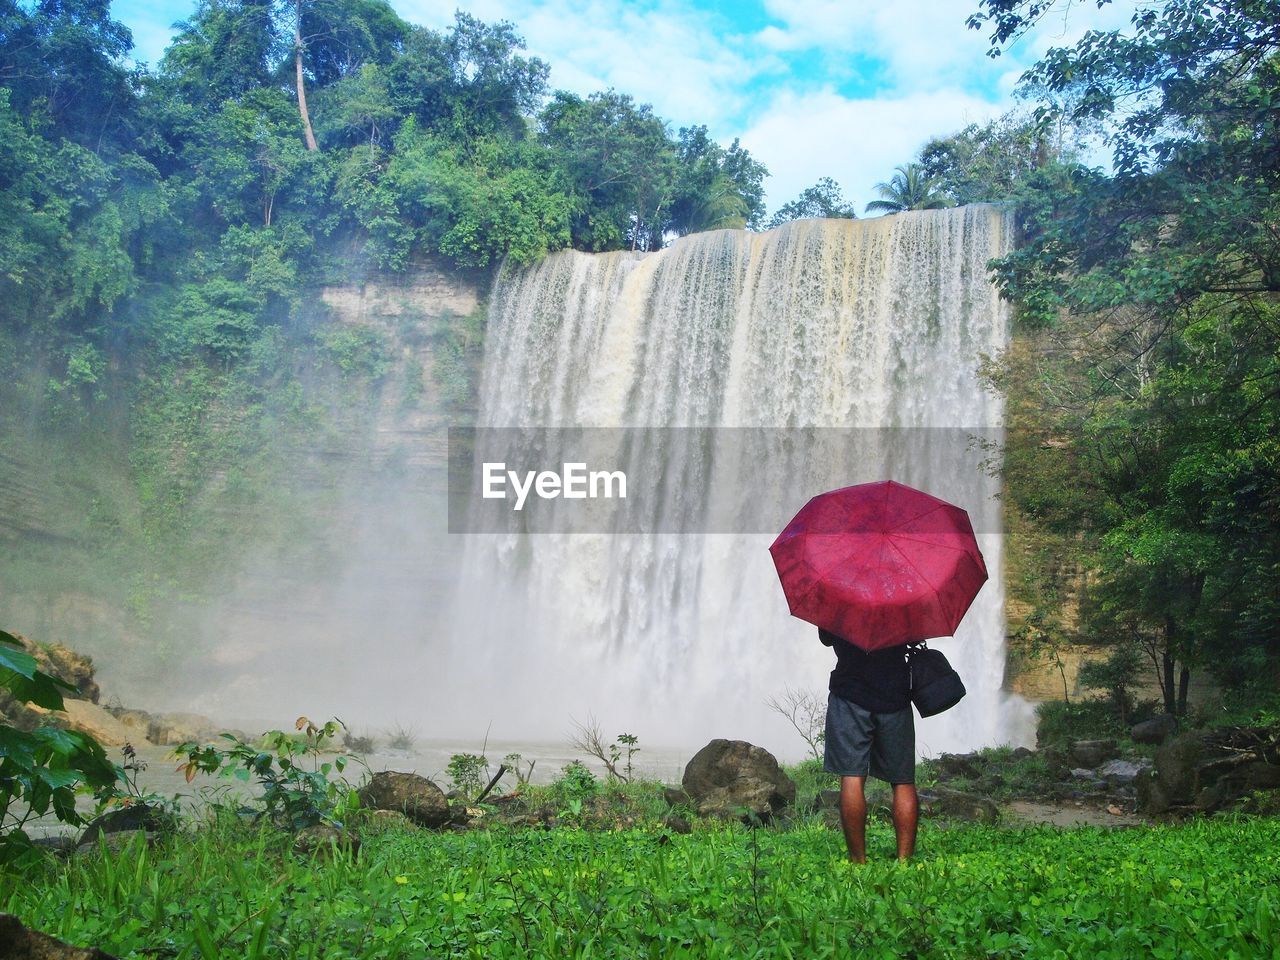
(931, 584)
(928, 543)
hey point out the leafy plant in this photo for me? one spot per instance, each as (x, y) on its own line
(42, 769)
(293, 796)
(467, 773)
(588, 738)
(515, 763)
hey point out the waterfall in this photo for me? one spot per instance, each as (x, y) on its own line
(835, 329)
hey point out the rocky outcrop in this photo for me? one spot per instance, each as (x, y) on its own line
(91, 719)
(57, 661)
(729, 777)
(17, 942)
(171, 729)
(1202, 771)
(416, 797)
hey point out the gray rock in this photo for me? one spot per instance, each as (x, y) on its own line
(136, 816)
(1123, 771)
(1081, 774)
(828, 799)
(1093, 753)
(18, 942)
(416, 797)
(1156, 730)
(729, 777)
(1022, 753)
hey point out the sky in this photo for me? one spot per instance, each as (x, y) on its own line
(846, 89)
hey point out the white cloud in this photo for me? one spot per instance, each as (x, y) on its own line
(857, 142)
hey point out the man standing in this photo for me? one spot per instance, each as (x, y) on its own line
(871, 731)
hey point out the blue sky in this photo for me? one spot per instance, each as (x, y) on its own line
(839, 88)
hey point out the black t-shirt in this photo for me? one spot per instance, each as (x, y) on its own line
(879, 681)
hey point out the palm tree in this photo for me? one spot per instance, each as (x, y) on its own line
(910, 188)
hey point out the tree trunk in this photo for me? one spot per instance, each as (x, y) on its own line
(1166, 674)
(302, 90)
(1184, 681)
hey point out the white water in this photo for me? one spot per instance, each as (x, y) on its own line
(681, 637)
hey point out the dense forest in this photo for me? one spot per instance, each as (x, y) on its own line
(160, 229)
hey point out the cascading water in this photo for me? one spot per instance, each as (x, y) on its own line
(679, 637)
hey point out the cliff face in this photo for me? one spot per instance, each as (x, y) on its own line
(336, 488)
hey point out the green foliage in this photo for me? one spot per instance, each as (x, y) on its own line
(1208, 888)
(467, 774)
(1059, 722)
(42, 769)
(1155, 291)
(910, 188)
(823, 199)
(293, 797)
(575, 785)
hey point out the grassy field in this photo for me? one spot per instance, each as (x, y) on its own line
(1209, 889)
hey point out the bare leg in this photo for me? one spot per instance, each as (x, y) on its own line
(906, 815)
(853, 817)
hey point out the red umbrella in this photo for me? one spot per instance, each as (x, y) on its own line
(880, 564)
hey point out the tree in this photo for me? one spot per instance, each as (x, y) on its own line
(823, 199)
(620, 166)
(225, 50)
(714, 188)
(1163, 280)
(63, 60)
(910, 188)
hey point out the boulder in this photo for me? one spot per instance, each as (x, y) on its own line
(1155, 731)
(1022, 753)
(727, 777)
(1093, 753)
(136, 816)
(416, 797)
(948, 804)
(91, 719)
(828, 799)
(20, 943)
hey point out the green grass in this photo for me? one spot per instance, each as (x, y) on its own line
(1208, 889)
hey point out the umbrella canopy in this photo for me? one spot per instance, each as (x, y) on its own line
(880, 564)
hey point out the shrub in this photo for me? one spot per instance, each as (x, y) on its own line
(42, 769)
(293, 796)
(1059, 722)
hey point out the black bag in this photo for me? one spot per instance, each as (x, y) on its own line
(935, 687)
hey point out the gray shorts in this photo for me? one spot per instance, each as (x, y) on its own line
(859, 742)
